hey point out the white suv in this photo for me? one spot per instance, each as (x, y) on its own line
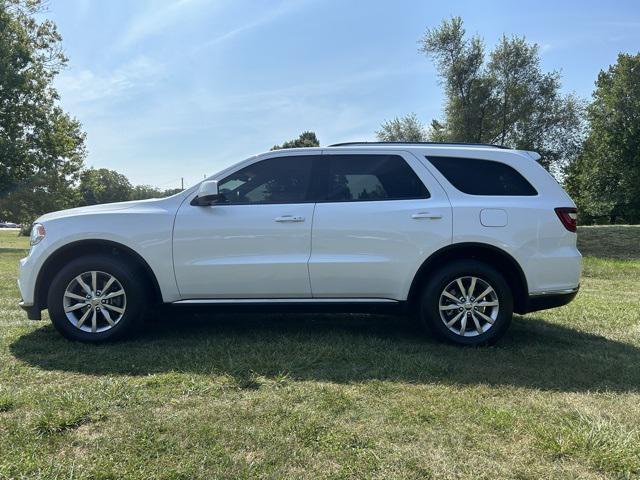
(463, 235)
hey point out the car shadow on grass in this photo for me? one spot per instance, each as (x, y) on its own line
(345, 349)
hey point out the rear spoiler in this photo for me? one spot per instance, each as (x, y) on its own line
(532, 155)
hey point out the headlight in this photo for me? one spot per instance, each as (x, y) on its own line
(37, 233)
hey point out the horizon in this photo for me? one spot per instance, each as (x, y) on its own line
(186, 88)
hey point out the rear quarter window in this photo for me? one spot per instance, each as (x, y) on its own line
(482, 177)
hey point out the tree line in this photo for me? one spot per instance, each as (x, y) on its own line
(94, 186)
(501, 96)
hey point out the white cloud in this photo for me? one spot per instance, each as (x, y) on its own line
(87, 86)
(153, 22)
(273, 14)
(274, 98)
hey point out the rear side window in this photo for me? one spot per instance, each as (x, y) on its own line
(482, 177)
(353, 178)
(275, 180)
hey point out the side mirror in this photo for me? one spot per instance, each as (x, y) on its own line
(208, 194)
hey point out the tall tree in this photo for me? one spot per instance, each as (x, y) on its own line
(506, 100)
(402, 129)
(306, 139)
(605, 179)
(41, 147)
(104, 186)
(460, 65)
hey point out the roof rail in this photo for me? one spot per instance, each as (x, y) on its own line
(455, 144)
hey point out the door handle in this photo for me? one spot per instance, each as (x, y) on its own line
(432, 216)
(289, 219)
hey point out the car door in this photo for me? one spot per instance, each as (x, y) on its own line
(382, 215)
(254, 244)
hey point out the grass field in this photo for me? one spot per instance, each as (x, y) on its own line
(325, 396)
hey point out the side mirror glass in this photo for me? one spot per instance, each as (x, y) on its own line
(208, 194)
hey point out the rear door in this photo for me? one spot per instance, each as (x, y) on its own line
(381, 215)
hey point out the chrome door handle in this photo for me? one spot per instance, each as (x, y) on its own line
(432, 216)
(289, 219)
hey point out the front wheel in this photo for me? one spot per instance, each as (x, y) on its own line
(96, 298)
(467, 302)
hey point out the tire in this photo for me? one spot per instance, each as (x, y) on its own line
(481, 321)
(125, 311)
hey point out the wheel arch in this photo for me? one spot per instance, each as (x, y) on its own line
(85, 247)
(494, 256)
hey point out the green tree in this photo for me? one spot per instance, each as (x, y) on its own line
(306, 139)
(41, 147)
(506, 100)
(403, 129)
(142, 192)
(605, 179)
(171, 191)
(103, 186)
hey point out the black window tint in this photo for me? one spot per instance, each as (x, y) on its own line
(371, 177)
(482, 177)
(276, 180)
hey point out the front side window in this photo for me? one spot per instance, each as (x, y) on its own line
(371, 177)
(275, 180)
(482, 177)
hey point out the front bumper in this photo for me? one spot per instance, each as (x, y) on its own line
(27, 273)
(545, 300)
(33, 311)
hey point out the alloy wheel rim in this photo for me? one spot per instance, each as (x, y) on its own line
(469, 306)
(94, 301)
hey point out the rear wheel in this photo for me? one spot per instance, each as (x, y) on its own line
(467, 302)
(96, 298)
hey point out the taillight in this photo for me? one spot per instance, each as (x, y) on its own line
(568, 216)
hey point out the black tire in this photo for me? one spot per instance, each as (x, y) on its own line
(128, 277)
(429, 304)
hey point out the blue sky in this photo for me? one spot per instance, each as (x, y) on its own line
(182, 88)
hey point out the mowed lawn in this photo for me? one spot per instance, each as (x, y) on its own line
(328, 396)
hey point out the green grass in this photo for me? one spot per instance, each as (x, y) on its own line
(328, 396)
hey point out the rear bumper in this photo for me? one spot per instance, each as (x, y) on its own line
(545, 300)
(33, 311)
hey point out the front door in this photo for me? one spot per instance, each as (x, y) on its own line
(256, 243)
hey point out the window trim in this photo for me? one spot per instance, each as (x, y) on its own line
(318, 184)
(536, 194)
